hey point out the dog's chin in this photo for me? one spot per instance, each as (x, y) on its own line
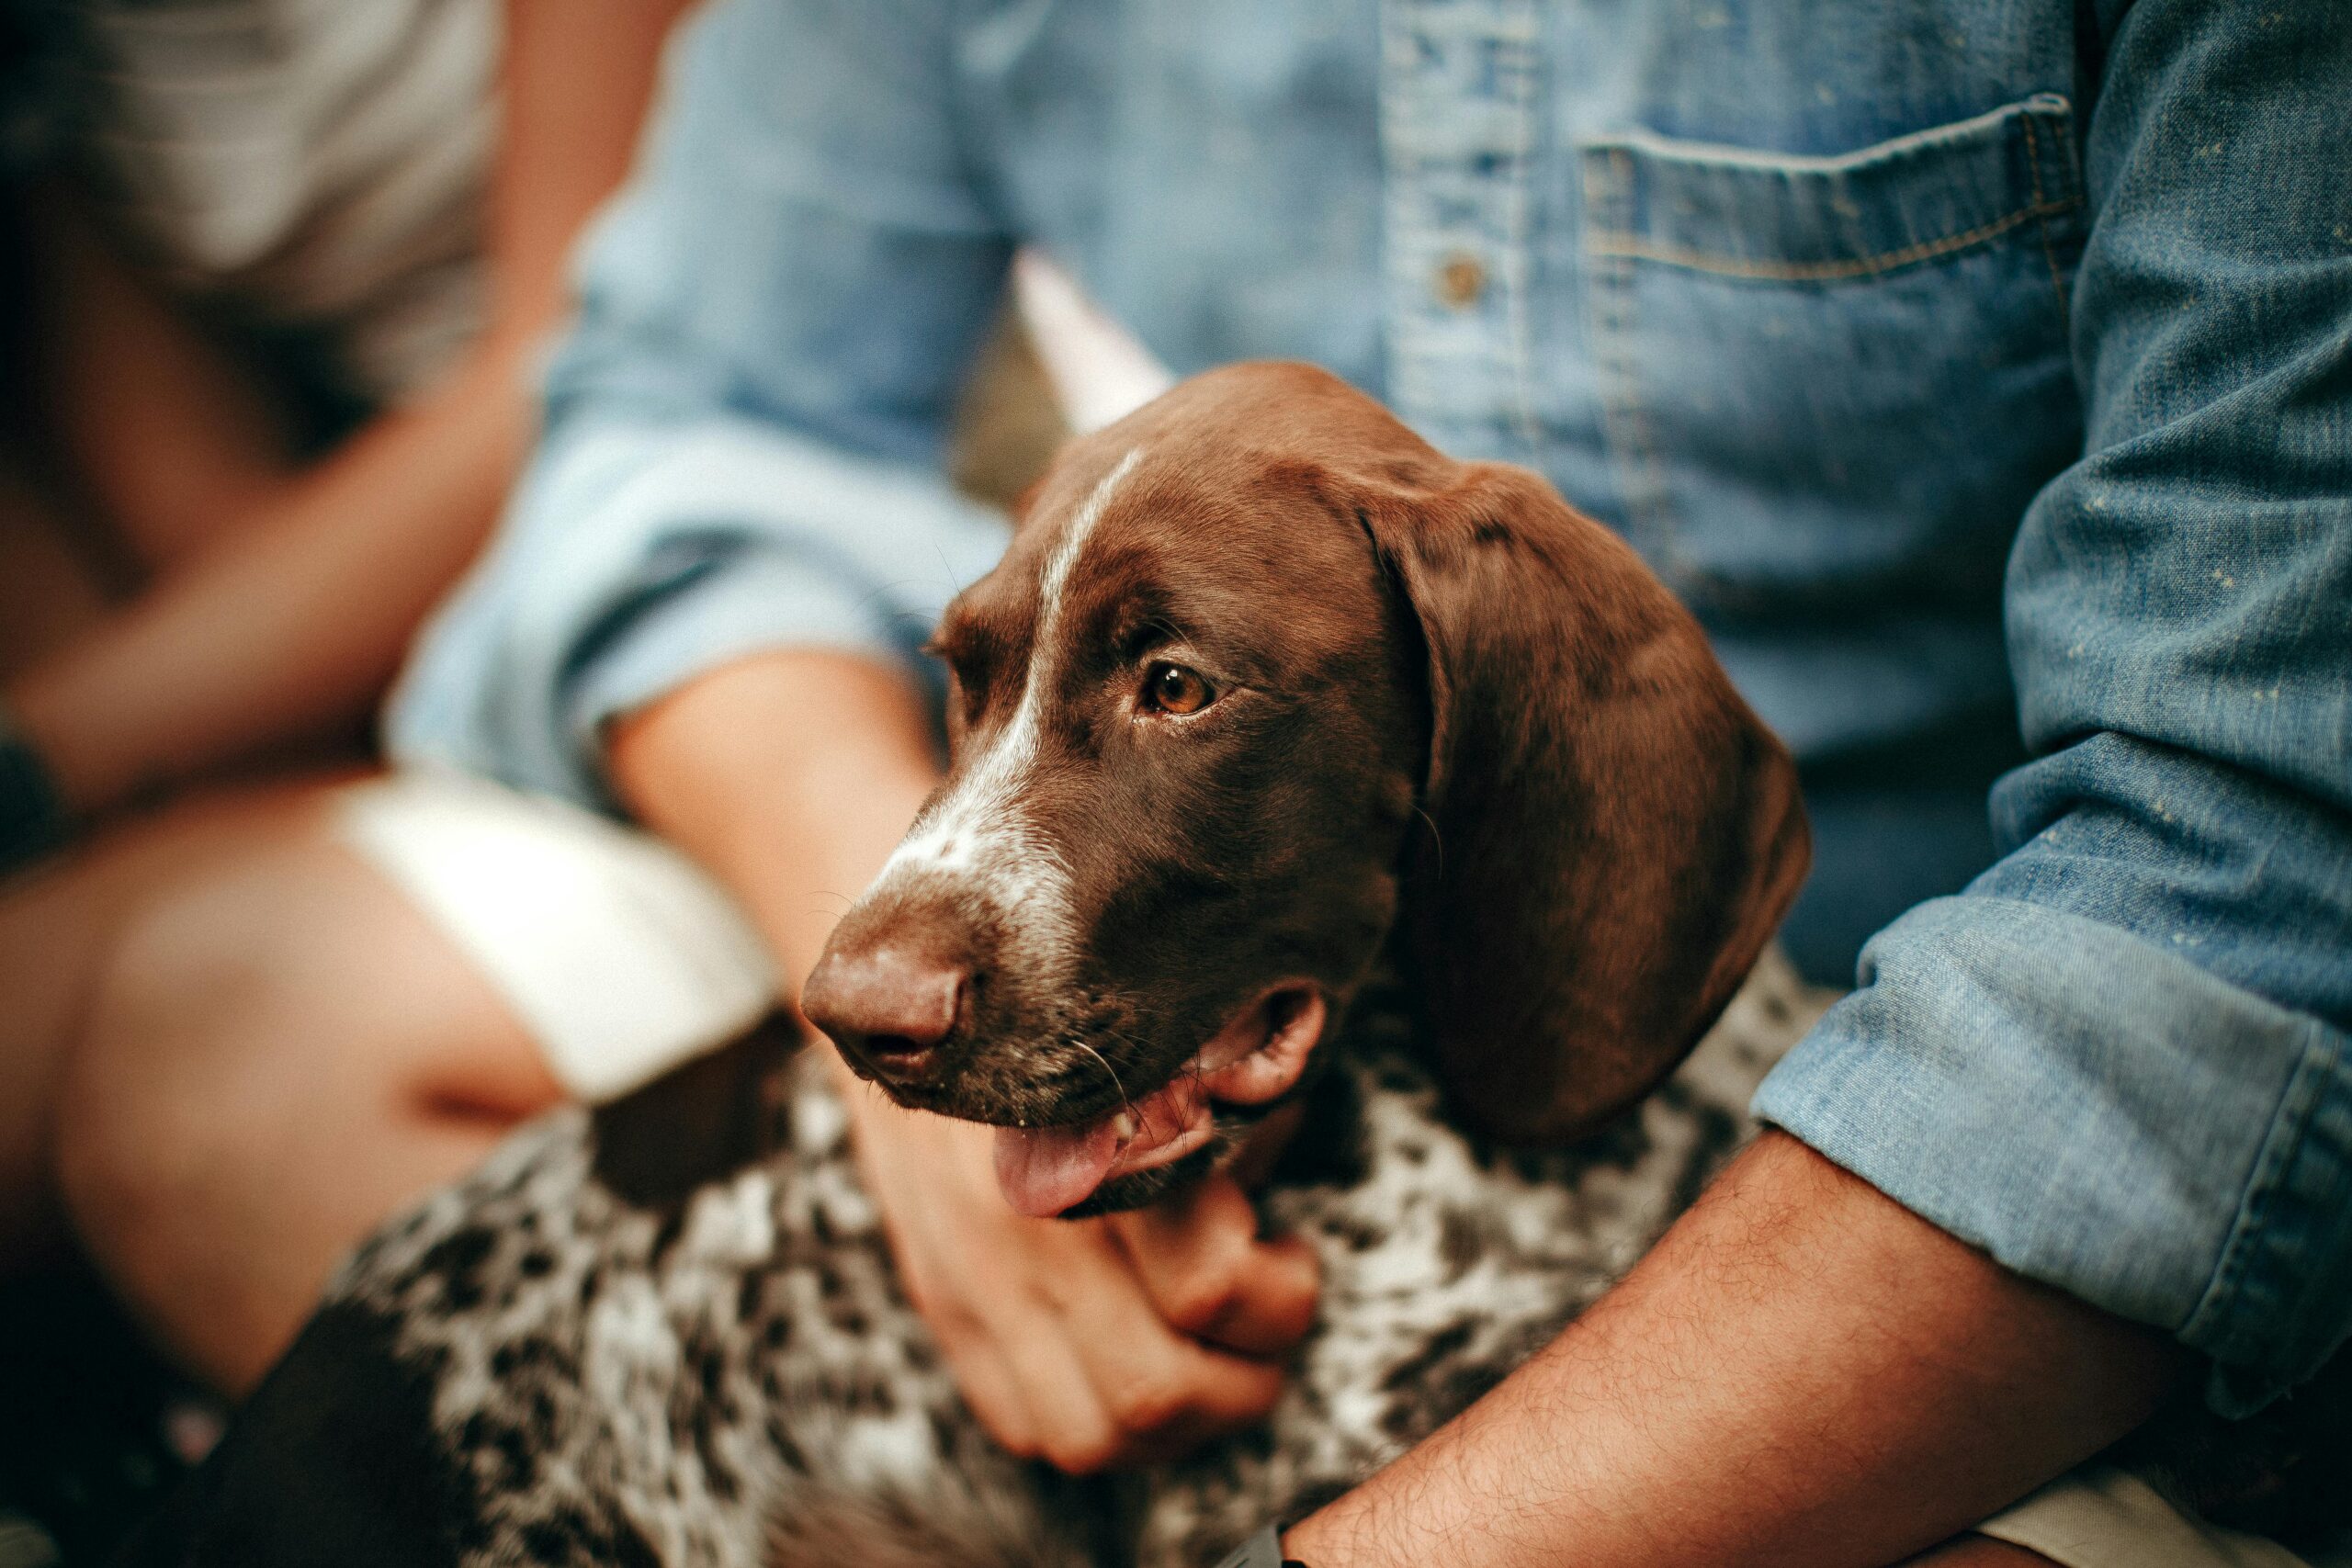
(1245, 1141)
(1142, 1189)
(1122, 1157)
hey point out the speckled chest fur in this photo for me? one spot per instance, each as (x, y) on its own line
(728, 1374)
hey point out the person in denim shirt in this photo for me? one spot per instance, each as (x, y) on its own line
(1969, 368)
(1979, 370)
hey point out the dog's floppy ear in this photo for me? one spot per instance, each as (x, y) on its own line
(1613, 835)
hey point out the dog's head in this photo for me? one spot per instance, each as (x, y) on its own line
(1262, 678)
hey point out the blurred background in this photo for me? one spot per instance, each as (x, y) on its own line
(274, 276)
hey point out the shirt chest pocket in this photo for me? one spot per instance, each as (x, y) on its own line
(1841, 376)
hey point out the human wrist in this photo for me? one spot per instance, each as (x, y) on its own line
(34, 819)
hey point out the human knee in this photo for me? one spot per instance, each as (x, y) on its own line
(146, 1103)
(235, 1015)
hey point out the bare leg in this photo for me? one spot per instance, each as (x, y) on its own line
(57, 930)
(255, 1050)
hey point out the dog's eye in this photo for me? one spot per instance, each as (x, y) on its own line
(1171, 688)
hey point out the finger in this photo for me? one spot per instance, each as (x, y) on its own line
(993, 1394)
(1199, 1259)
(1033, 1335)
(1164, 1392)
(1107, 1380)
(1074, 1430)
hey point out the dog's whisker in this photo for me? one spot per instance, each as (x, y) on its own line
(1124, 1103)
(1436, 838)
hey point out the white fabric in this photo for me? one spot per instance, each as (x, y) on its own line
(620, 956)
(2099, 1517)
(1100, 371)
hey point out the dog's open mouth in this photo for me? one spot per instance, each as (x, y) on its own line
(1256, 1057)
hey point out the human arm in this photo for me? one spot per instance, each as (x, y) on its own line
(1802, 1371)
(2118, 1064)
(291, 620)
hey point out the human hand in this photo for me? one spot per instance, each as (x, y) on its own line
(1088, 1343)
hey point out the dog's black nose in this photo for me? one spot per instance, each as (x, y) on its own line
(887, 1009)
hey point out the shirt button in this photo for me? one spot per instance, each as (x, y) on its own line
(1460, 280)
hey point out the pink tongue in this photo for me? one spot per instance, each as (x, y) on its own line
(1044, 1170)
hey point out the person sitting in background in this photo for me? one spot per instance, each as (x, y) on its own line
(287, 267)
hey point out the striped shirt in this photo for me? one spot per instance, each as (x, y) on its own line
(311, 167)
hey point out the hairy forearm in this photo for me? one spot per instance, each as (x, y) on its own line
(1801, 1373)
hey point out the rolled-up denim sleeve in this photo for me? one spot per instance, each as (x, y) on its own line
(2119, 1061)
(744, 425)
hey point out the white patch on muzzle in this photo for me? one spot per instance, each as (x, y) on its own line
(977, 837)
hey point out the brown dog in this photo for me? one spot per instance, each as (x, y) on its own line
(1263, 683)
(1261, 670)
(1263, 680)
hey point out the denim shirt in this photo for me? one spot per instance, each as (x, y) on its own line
(1980, 371)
